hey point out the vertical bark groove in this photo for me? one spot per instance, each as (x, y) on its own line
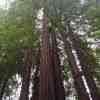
(46, 78)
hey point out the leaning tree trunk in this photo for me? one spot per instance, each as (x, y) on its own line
(46, 76)
(86, 66)
(77, 75)
(59, 88)
(26, 74)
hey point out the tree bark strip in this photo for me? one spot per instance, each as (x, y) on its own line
(26, 74)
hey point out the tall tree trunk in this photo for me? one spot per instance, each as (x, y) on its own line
(46, 76)
(4, 84)
(59, 88)
(26, 74)
(78, 82)
(86, 66)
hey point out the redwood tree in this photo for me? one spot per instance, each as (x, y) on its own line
(46, 76)
(51, 83)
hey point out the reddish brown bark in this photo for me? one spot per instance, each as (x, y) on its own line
(24, 94)
(46, 78)
(51, 86)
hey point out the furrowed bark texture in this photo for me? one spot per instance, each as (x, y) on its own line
(51, 86)
(46, 76)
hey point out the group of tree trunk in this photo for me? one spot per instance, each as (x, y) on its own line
(48, 80)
